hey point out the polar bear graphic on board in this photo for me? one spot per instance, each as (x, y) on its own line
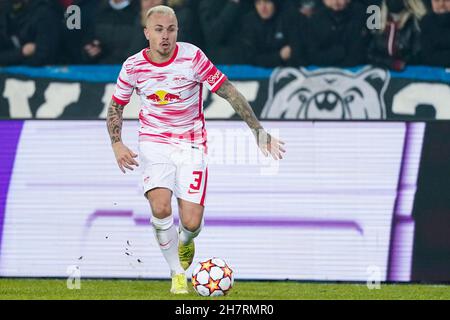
(326, 93)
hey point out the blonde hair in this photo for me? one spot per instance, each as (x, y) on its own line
(413, 8)
(160, 9)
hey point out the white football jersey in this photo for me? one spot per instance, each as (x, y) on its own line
(170, 94)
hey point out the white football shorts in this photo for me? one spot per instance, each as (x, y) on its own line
(182, 169)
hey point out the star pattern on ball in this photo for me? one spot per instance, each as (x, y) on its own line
(212, 285)
(194, 281)
(227, 272)
(207, 265)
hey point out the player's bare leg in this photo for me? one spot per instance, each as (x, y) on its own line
(167, 236)
(191, 223)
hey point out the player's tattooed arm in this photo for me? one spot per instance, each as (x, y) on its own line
(124, 156)
(114, 121)
(229, 92)
(265, 141)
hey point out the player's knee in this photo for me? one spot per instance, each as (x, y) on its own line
(161, 209)
(193, 225)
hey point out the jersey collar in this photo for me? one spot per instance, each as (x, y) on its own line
(174, 55)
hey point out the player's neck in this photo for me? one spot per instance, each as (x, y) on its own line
(156, 57)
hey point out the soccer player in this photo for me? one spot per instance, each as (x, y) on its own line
(169, 77)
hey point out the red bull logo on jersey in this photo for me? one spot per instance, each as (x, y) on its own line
(213, 78)
(162, 97)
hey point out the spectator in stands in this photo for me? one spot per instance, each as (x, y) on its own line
(435, 37)
(28, 33)
(337, 34)
(367, 3)
(305, 8)
(297, 13)
(397, 42)
(110, 40)
(72, 39)
(266, 35)
(221, 25)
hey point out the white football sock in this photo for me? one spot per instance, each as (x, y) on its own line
(186, 236)
(167, 237)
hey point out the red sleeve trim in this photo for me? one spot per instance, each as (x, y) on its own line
(218, 84)
(121, 102)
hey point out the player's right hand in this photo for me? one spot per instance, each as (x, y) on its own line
(124, 156)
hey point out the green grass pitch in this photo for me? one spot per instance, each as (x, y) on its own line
(243, 290)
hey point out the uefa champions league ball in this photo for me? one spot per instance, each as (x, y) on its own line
(212, 277)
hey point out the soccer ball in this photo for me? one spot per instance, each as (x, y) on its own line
(212, 277)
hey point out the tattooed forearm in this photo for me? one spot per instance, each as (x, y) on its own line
(114, 121)
(239, 104)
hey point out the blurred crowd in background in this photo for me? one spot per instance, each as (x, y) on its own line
(266, 33)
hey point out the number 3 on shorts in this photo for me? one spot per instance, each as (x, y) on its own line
(197, 180)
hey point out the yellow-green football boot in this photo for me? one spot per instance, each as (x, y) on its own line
(179, 284)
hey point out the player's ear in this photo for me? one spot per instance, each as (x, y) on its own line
(146, 33)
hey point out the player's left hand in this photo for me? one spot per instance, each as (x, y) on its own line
(124, 156)
(269, 144)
